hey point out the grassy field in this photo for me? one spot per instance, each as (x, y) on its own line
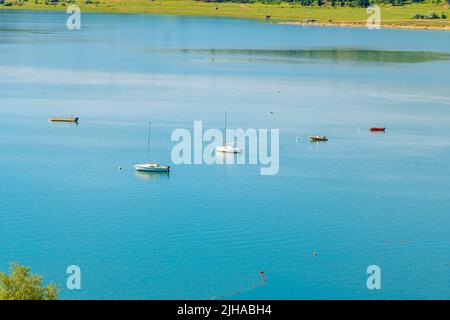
(400, 16)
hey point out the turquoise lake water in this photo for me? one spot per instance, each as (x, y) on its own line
(206, 232)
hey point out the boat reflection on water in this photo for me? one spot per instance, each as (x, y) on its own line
(151, 175)
(228, 157)
(317, 142)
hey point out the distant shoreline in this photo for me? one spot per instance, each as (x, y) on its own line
(399, 17)
(362, 24)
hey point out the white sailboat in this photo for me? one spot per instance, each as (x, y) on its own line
(228, 147)
(150, 167)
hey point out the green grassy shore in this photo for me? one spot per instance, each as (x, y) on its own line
(391, 16)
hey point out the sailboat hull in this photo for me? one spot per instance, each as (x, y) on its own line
(151, 168)
(228, 149)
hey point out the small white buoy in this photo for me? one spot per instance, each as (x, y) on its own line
(120, 168)
(359, 129)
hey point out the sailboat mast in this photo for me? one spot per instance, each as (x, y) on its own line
(148, 141)
(225, 132)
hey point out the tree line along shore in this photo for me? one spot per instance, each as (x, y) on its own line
(423, 14)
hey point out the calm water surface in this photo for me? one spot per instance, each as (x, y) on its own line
(207, 231)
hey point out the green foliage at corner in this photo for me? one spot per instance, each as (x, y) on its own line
(22, 285)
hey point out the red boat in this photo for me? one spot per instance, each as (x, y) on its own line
(374, 129)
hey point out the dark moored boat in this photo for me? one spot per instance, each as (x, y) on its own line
(375, 129)
(72, 119)
(318, 138)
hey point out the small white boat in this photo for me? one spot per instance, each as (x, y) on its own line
(228, 147)
(150, 167)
